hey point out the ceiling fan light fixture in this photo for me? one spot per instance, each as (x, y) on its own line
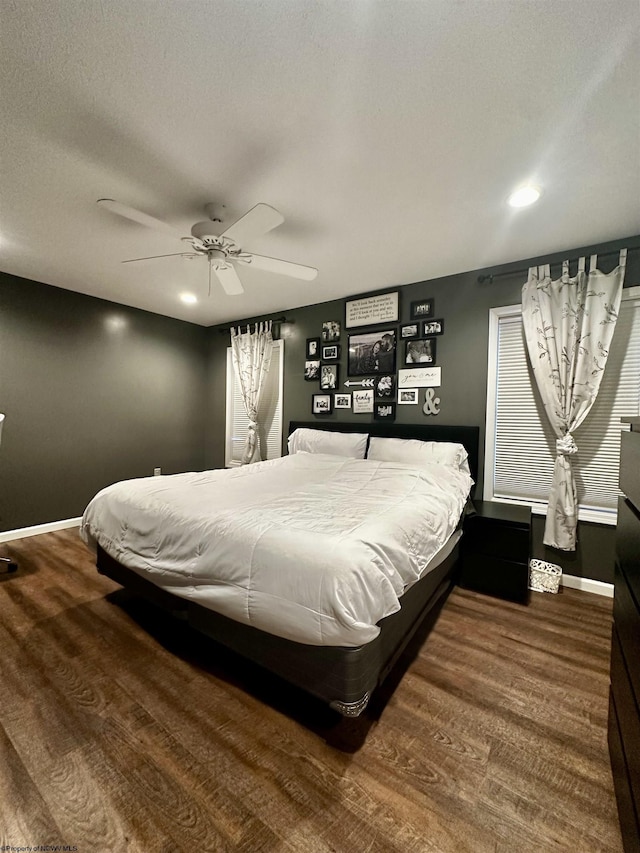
(217, 257)
(524, 196)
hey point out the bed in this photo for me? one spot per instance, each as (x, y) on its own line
(315, 609)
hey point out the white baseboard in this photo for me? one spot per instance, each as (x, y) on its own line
(49, 527)
(588, 585)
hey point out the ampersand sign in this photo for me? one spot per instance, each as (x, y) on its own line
(431, 403)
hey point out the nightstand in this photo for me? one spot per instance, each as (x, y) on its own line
(495, 550)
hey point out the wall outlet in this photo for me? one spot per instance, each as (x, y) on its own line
(157, 472)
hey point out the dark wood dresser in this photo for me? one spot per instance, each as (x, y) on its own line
(624, 696)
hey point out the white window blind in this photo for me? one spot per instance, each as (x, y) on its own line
(520, 444)
(269, 413)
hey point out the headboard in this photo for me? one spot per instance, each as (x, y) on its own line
(468, 436)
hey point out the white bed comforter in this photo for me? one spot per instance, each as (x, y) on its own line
(310, 547)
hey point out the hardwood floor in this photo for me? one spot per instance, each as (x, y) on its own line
(122, 731)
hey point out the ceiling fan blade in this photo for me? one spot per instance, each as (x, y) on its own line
(257, 221)
(171, 255)
(228, 278)
(136, 215)
(261, 262)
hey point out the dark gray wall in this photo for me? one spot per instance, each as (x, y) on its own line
(93, 392)
(96, 392)
(462, 353)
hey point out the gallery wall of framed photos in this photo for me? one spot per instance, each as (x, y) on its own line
(368, 362)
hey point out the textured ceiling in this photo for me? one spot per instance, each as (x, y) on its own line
(388, 133)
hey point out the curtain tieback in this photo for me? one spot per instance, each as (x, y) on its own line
(253, 425)
(566, 446)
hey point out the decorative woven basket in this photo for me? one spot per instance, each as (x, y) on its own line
(544, 577)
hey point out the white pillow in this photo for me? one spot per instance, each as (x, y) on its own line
(416, 452)
(352, 444)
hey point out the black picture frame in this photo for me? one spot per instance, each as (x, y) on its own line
(331, 352)
(422, 308)
(372, 352)
(385, 387)
(313, 348)
(384, 411)
(342, 400)
(321, 404)
(422, 352)
(432, 327)
(409, 331)
(329, 376)
(330, 331)
(312, 370)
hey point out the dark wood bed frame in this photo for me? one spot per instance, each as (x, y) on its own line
(341, 676)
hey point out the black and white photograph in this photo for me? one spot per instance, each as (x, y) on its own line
(384, 412)
(329, 377)
(372, 352)
(385, 387)
(312, 370)
(420, 352)
(408, 397)
(410, 330)
(331, 353)
(363, 401)
(432, 327)
(313, 347)
(321, 404)
(342, 400)
(330, 331)
(422, 309)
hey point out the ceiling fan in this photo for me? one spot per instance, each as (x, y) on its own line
(224, 250)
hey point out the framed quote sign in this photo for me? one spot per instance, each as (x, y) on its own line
(372, 310)
(419, 377)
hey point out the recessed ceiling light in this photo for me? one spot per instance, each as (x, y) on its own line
(524, 196)
(188, 298)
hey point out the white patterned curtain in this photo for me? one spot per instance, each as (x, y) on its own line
(568, 325)
(251, 359)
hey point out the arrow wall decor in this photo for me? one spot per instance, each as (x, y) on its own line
(364, 383)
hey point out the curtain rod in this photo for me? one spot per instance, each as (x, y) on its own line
(490, 276)
(225, 329)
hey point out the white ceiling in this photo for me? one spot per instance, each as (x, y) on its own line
(387, 132)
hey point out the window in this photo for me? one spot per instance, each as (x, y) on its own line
(269, 414)
(520, 444)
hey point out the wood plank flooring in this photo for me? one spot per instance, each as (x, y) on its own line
(121, 730)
